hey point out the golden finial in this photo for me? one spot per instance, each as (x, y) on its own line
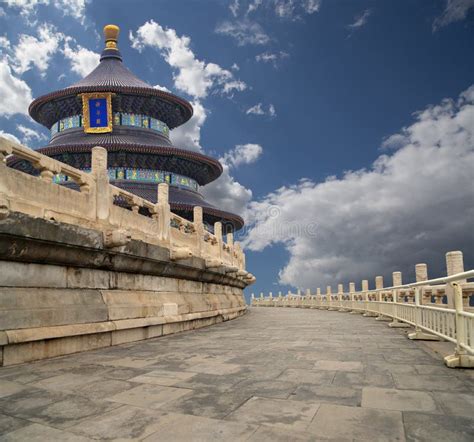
(111, 33)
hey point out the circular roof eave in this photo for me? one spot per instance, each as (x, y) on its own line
(36, 104)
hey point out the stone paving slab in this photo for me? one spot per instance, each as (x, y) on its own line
(273, 375)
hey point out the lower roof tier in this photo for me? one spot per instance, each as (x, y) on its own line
(183, 201)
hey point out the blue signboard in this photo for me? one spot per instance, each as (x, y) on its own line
(97, 112)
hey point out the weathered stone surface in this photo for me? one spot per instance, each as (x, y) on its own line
(402, 400)
(270, 391)
(19, 274)
(149, 396)
(353, 423)
(28, 308)
(288, 414)
(40, 433)
(423, 427)
(163, 377)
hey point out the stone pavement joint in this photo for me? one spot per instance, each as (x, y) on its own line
(273, 375)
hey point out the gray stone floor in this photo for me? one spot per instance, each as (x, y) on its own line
(273, 375)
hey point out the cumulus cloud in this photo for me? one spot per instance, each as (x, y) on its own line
(292, 9)
(244, 32)
(455, 10)
(9, 136)
(29, 134)
(28, 8)
(272, 57)
(259, 110)
(242, 154)
(83, 61)
(36, 51)
(360, 20)
(408, 207)
(193, 76)
(15, 94)
(188, 136)
(234, 7)
(226, 192)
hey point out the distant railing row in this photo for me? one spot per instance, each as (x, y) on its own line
(438, 309)
(119, 214)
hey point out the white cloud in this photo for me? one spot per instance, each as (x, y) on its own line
(244, 32)
(162, 88)
(73, 8)
(29, 134)
(28, 8)
(226, 193)
(272, 57)
(83, 61)
(4, 43)
(242, 154)
(2, 12)
(360, 20)
(258, 110)
(291, 9)
(455, 10)
(234, 7)
(36, 51)
(9, 136)
(188, 136)
(408, 207)
(15, 94)
(311, 6)
(195, 77)
(253, 6)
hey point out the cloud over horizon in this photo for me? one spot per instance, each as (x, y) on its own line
(410, 206)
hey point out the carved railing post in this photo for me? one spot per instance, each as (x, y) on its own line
(379, 296)
(365, 295)
(352, 294)
(454, 264)
(164, 214)
(397, 281)
(199, 228)
(102, 188)
(340, 294)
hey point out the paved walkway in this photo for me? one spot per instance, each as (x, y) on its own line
(273, 375)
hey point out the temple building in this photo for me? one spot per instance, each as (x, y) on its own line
(114, 109)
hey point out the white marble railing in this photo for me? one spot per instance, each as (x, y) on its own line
(438, 309)
(94, 205)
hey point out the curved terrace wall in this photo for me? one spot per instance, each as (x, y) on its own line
(78, 272)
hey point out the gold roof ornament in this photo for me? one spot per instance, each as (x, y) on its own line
(111, 33)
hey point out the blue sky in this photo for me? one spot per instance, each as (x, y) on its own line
(291, 95)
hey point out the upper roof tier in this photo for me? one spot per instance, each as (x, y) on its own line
(112, 76)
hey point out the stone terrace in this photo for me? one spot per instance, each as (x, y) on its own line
(274, 374)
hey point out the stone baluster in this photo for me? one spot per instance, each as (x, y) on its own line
(329, 296)
(352, 297)
(199, 228)
(102, 187)
(397, 281)
(164, 213)
(454, 265)
(366, 296)
(218, 235)
(421, 274)
(340, 295)
(380, 297)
